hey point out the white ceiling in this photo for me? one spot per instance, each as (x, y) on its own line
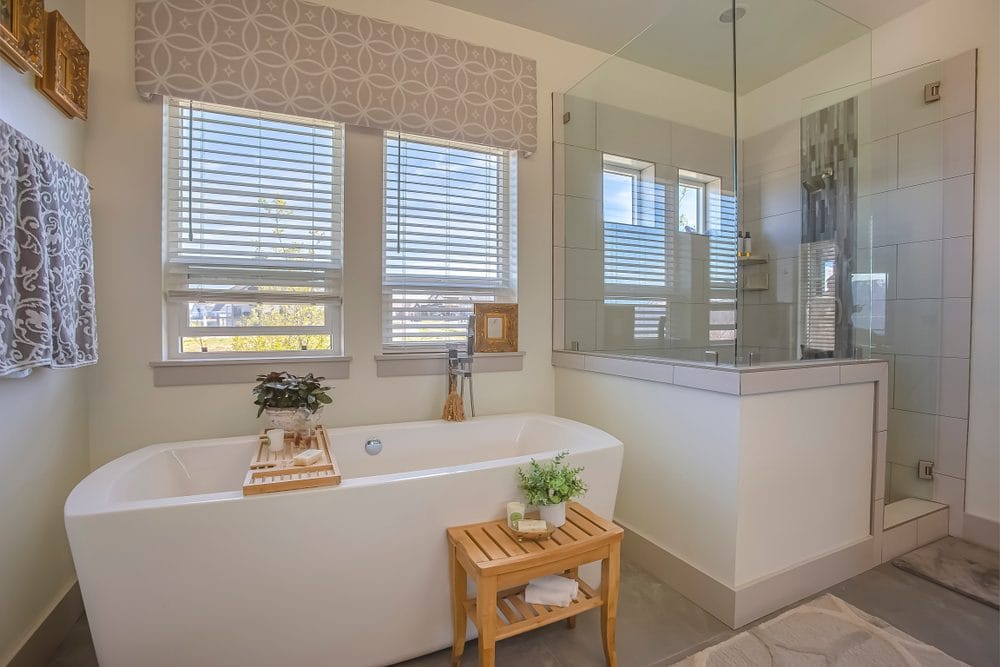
(685, 37)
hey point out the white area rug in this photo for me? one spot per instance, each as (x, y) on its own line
(825, 631)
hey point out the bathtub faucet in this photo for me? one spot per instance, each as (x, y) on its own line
(461, 367)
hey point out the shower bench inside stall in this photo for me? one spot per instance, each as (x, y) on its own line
(501, 567)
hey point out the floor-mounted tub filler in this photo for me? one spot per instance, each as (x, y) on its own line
(177, 567)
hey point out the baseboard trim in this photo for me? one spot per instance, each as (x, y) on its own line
(41, 644)
(738, 606)
(798, 582)
(982, 531)
(707, 592)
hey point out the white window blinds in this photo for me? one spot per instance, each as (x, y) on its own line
(253, 205)
(818, 297)
(449, 237)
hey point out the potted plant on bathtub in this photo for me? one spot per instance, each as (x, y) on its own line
(291, 402)
(548, 485)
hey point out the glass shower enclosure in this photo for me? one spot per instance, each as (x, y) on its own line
(706, 190)
(733, 187)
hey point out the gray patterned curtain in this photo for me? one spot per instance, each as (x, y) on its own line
(46, 260)
(299, 58)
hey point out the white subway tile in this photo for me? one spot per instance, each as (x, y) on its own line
(957, 204)
(932, 527)
(951, 492)
(912, 437)
(950, 458)
(919, 270)
(916, 383)
(936, 151)
(878, 474)
(584, 274)
(956, 258)
(956, 319)
(912, 214)
(780, 192)
(582, 225)
(710, 379)
(878, 166)
(953, 399)
(583, 173)
(581, 130)
(764, 382)
(915, 326)
(899, 540)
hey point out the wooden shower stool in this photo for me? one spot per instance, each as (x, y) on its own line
(501, 567)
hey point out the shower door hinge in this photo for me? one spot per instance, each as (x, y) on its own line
(932, 92)
(925, 469)
(566, 117)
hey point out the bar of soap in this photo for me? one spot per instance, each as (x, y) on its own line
(532, 526)
(307, 458)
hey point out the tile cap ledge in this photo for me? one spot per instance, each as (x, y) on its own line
(727, 370)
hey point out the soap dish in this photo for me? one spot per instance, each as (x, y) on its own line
(521, 536)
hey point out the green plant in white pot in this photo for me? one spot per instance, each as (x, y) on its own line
(291, 402)
(549, 485)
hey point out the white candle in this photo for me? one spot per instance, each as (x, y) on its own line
(515, 512)
(276, 439)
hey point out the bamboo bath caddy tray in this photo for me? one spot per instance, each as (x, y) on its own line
(269, 471)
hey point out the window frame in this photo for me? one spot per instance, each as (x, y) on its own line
(701, 225)
(177, 325)
(507, 189)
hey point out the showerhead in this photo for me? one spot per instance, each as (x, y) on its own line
(814, 184)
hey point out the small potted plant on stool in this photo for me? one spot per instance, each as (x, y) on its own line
(548, 485)
(290, 402)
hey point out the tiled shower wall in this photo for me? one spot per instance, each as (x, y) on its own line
(917, 194)
(771, 210)
(580, 316)
(916, 176)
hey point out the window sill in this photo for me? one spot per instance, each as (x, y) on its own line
(183, 372)
(401, 364)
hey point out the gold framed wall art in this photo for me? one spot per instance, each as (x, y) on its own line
(496, 327)
(22, 34)
(66, 76)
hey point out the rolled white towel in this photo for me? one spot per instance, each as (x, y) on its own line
(552, 590)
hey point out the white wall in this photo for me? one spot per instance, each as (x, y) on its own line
(680, 474)
(44, 440)
(123, 160)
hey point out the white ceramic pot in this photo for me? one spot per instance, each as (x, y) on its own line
(289, 419)
(554, 514)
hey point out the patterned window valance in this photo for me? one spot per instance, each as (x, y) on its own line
(295, 57)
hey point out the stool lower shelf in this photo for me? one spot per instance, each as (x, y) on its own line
(515, 616)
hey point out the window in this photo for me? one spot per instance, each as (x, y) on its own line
(636, 245)
(253, 233)
(691, 207)
(818, 295)
(449, 238)
(722, 264)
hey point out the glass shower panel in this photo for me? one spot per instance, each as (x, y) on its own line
(805, 283)
(915, 210)
(645, 194)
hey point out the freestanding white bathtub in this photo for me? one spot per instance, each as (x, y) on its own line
(178, 568)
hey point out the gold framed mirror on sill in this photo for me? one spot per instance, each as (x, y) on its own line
(22, 34)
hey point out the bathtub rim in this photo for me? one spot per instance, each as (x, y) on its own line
(91, 496)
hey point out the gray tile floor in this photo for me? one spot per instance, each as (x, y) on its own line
(657, 626)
